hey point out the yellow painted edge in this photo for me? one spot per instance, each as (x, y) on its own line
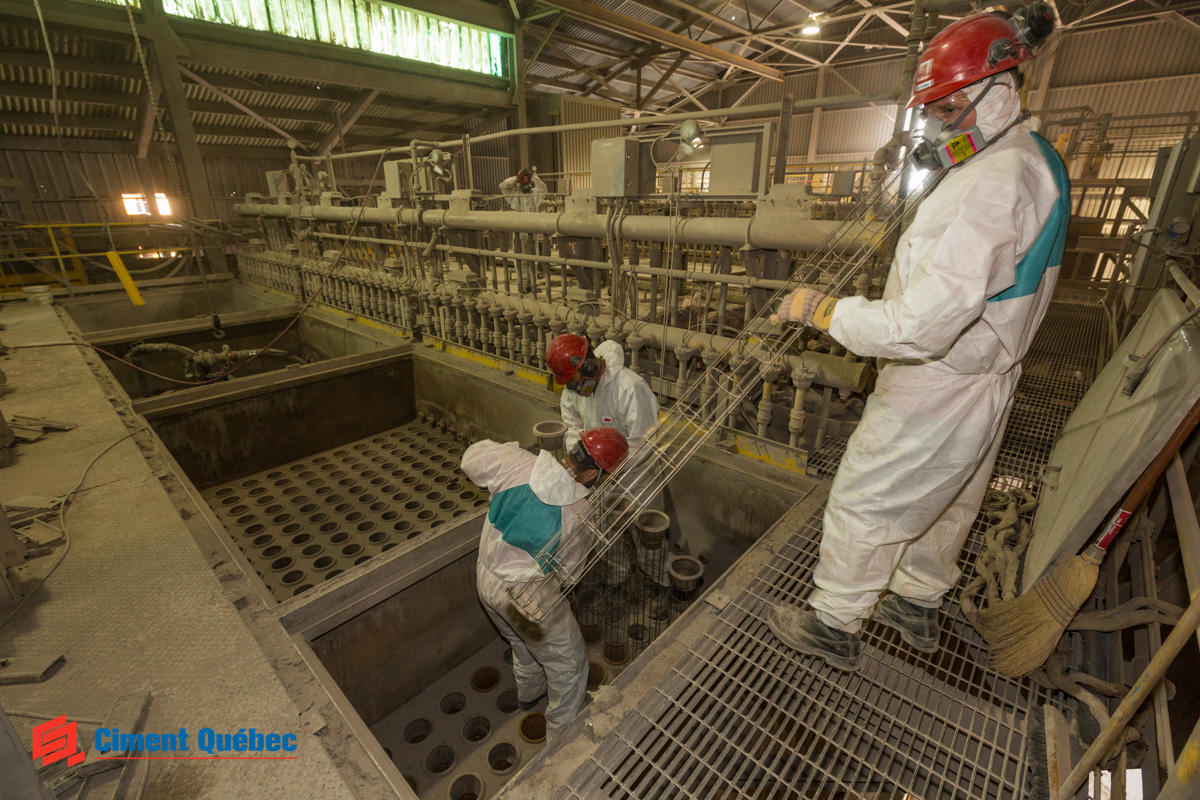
(131, 288)
(790, 464)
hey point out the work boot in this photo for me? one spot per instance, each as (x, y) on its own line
(531, 704)
(918, 626)
(801, 630)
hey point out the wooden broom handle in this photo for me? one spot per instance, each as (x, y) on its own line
(1150, 477)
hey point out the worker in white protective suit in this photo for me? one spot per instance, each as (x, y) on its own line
(970, 283)
(598, 389)
(524, 191)
(530, 551)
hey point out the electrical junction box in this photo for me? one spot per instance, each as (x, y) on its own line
(398, 182)
(736, 162)
(843, 184)
(622, 168)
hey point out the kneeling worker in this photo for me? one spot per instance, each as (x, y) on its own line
(534, 499)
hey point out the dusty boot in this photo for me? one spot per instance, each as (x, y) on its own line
(918, 626)
(801, 630)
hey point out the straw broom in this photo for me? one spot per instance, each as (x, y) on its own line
(1023, 632)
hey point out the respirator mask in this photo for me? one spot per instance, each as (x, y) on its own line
(586, 379)
(943, 145)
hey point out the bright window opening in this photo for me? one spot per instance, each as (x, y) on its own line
(372, 25)
(136, 205)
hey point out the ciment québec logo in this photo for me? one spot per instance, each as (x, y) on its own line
(58, 739)
(55, 740)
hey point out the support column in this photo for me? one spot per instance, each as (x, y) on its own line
(814, 131)
(167, 49)
(518, 96)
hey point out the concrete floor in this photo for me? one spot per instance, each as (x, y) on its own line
(134, 604)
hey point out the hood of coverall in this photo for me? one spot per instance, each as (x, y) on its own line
(998, 108)
(553, 483)
(614, 359)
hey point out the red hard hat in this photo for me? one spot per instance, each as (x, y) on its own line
(564, 355)
(606, 446)
(967, 51)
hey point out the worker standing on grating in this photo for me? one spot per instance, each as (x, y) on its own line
(598, 389)
(524, 191)
(529, 522)
(970, 283)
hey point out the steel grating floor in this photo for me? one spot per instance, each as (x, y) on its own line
(741, 716)
(305, 522)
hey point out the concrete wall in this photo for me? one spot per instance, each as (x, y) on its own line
(228, 438)
(385, 656)
(109, 310)
(718, 504)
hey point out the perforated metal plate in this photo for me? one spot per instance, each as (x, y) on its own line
(302, 523)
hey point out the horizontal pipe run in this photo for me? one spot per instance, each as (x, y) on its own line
(777, 232)
(692, 275)
(833, 371)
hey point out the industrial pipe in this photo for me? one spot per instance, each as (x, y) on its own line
(775, 232)
(827, 370)
(691, 275)
(1180, 634)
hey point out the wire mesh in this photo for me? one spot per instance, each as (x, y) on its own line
(706, 404)
(742, 716)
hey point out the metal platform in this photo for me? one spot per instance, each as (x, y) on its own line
(741, 716)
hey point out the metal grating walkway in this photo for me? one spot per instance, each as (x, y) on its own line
(741, 716)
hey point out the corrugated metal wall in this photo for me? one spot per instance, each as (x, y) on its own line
(75, 187)
(1144, 50)
(842, 134)
(575, 147)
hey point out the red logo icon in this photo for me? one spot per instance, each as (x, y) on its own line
(56, 740)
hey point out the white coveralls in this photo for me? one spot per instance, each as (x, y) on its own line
(523, 201)
(622, 400)
(971, 281)
(533, 499)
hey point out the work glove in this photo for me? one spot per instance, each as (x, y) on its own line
(807, 307)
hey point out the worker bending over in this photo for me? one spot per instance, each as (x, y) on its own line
(598, 389)
(529, 532)
(970, 283)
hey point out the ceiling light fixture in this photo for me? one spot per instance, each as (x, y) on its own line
(812, 27)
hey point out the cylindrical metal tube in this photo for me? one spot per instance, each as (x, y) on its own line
(1145, 684)
(827, 370)
(780, 232)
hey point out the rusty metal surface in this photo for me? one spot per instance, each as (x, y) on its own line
(304, 522)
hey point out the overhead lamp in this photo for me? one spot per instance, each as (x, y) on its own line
(812, 27)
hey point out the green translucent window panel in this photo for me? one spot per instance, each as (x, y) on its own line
(361, 24)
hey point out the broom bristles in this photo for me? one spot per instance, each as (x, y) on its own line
(1023, 632)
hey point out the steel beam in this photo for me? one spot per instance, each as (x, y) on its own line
(346, 121)
(328, 64)
(589, 12)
